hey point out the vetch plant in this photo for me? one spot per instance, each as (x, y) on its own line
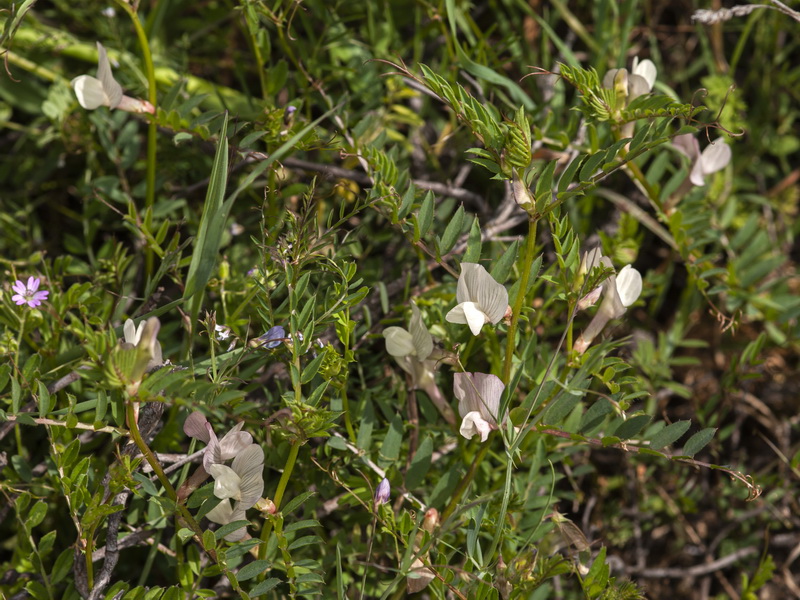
(480, 298)
(103, 90)
(29, 293)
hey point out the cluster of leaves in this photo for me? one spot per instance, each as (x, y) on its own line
(281, 186)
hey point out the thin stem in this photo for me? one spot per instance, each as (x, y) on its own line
(348, 423)
(284, 481)
(152, 128)
(151, 459)
(530, 248)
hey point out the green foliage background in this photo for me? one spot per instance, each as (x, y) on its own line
(316, 165)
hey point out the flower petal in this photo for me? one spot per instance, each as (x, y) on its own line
(687, 145)
(19, 287)
(474, 316)
(234, 442)
(227, 483)
(399, 342)
(474, 424)
(89, 91)
(696, 176)
(33, 284)
(645, 69)
(221, 513)
(249, 465)
(629, 285)
(422, 339)
(456, 314)
(608, 78)
(637, 86)
(129, 331)
(716, 156)
(195, 426)
(112, 89)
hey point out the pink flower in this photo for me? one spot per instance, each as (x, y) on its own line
(27, 294)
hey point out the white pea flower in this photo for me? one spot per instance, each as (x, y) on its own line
(713, 158)
(133, 337)
(619, 292)
(103, 90)
(480, 298)
(478, 402)
(217, 451)
(242, 482)
(630, 86)
(414, 351)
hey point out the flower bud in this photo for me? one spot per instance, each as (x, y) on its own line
(382, 492)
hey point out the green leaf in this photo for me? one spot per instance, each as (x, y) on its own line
(544, 186)
(407, 202)
(37, 590)
(593, 417)
(560, 408)
(265, 586)
(254, 569)
(36, 515)
(452, 231)
(367, 423)
(669, 434)
(473, 253)
(62, 566)
(311, 368)
(46, 543)
(212, 221)
(44, 400)
(229, 528)
(425, 216)
(501, 269)
(209, 540)
(304, 524)
(628, 429)
(296, 502)
(569, 173)
(390, 448)
(698, 441)
(22, 467)
(16, 396)
(420, 464)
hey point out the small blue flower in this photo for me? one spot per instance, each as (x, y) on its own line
(273, 338)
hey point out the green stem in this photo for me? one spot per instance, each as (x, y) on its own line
(348, 424)
(284, 481)
(152, 128)
(530, 248)
(136, 436)
(465, 481)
